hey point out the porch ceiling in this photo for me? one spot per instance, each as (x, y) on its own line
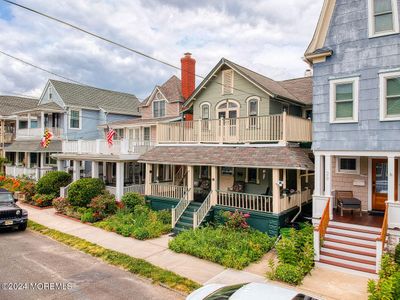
(33, 146)
(250, 157)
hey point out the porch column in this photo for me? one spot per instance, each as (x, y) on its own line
(276, 194)
(104, 170)
(298, 182)
(214, 185)
(16, 158)
(42, 160)
(147, 180)
(60, 165)
(27, 159)
(29, 122)
(76, 170)
(42, 120)
(318, 175)
(391, 177)
(95, 169)
(190, 184)
(328, 182)
(120, 180)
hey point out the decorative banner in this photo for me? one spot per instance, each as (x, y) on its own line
(110, 136)
(46, 139)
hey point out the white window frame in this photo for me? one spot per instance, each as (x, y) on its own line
(80, 119)
(227, 109)
(223, 82)
(383, 77)
(209, 110)
(344, 171)
(371, 20)
(165, 108)
(332, 99)
(252, 98)
(257, 178)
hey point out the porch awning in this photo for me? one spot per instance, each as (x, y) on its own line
(33, 146)
(282, 157)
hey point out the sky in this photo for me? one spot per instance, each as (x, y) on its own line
(267, 36)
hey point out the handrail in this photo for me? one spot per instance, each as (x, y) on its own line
(384, 229)
(64, 190)
(200, 214)
(323, 224)
(179, 209)
(245, 201)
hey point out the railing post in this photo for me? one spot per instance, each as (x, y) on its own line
(195, 220)
(79, 146)
(379, 252)
(317, 246)
(284, 125)
(173, 217)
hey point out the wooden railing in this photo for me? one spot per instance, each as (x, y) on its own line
(167, 190)
(178, 210)
(64, 191)
(271, 128)
(135, 188)
(38, 132)
(200, 214)
(245, 201)
(32, 173)
(381, 240)
(295, 199)
(320, 230)
(102, 147)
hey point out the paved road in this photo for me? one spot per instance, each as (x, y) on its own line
(31, 258)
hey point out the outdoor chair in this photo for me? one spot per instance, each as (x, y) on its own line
(346, 201)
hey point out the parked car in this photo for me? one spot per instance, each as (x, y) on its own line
(245, 291)
(11, 215)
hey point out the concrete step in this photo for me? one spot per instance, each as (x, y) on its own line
(350, 239)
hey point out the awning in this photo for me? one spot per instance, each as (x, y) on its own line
(33, 146)
(282, 157)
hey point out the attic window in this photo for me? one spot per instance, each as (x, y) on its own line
(383, 17)
(227, 82)
(159, 108)
(50, 93)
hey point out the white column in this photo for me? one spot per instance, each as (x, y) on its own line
(298, 182)
(17, 123)
(42, 160)
(77, 170)
(190, 177)
(29, 122)
(276, 193)
(120, 180)
(104, 170)
(391, 179)
(214, 185)
(60, 165)
(328, 182)
(16, 158)
(42, 120)
(95, 169)
(147, 180)
(27, 159)
(318, 165)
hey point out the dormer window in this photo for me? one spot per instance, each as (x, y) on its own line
(159, 108)
(383, 17)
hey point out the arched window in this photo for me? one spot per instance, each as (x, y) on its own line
(253, 111)
(228, 109)
(205, 111)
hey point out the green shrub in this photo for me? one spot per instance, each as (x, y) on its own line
(88, 216)
(131, 200)
(28, 187)
(228, 247)
(164, 216)
(43, 200)
(286, 272)
(51, 182)
(103, 205)
(82, 191)
(388, 285)
(235, 220)
(397, 254)
(61, 204)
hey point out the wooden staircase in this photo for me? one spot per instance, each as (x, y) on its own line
(185, 222)
(350, 246)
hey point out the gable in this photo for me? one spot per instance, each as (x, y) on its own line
(50, 95)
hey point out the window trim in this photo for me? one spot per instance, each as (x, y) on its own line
(332, 99)
(344, 171)
(257, 176)
(165, 108)
(252, 98)
(371, 20)
(70, 117)
(227, 109)
(382, 96)
(201, 110)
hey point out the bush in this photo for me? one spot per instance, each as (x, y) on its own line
(61, 204)
(51, 182)
(388, 285)
(28, 188)
(131, 200)
(88, 216)
(82, 191)
(397, 254)
(103, 206)
(164, 216)
(228, 247)
(286, 273)
(235, 220)
(43, 200)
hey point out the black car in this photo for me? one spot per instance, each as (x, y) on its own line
(11, 215)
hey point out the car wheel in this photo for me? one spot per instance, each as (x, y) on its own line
(22, 227)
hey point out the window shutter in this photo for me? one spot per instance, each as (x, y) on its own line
(227, 82)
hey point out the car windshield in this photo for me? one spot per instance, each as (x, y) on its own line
(6, 198)
(225, 292)
(303, 297)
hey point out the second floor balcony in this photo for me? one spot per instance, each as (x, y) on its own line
(37, 133)
(262, 129)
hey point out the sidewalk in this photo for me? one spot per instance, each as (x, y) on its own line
(156, 252)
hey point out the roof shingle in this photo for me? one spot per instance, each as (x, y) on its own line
(9, 105)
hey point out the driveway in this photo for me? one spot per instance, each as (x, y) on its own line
(41, 263)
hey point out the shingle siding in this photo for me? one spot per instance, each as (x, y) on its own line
(354, 54)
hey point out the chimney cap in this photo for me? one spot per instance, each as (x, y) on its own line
(187, 54)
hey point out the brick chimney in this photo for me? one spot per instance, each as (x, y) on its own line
(188, 78)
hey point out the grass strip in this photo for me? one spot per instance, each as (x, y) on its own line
(134, 265)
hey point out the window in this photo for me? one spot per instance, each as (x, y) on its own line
(204, 172)
(344, 100)
(23, 124)
(253, 108)
(164, 172)
(350, 165)
(34, 124)
(252, 176)
(389, 96)
(227, 82)
(158, 109)
(49, 160)
(383, 17)
(50, 93)
(205, 111)
(146, 133)
(74, 119)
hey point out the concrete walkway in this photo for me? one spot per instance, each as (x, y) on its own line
(156, 252)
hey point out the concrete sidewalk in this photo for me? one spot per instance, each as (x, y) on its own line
(156, 252)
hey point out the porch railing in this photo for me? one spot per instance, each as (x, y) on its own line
(32, 173)
(135, 188)
(381, 240)
(111, 189)
(320, 230)
(203, 210)
(178, 210)
(64, 191)
(271, 128)
(294, 200)
(167, 190)
(38, 132)
(245, 201)
(102, 147)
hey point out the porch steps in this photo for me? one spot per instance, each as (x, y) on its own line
(185, 222)
(351, 247)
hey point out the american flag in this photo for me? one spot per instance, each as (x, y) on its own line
(110, 135)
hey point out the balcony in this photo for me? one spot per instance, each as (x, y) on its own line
(37, 133)
(101, 147)
(272, 128)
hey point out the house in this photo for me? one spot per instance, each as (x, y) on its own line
(9, 105)
(355, 55)
(244, 143)
(71, 112)
(118, 164)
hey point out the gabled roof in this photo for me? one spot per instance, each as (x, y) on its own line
(76, 95)
(171, 90)
(141, 122)
(291, 90)
(9, 105)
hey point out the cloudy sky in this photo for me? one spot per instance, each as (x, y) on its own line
(268, 36)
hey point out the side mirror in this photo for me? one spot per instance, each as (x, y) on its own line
(15, 200)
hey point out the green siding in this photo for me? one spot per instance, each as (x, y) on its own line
(160, 203)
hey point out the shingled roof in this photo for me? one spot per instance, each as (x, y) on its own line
(242, 156)
(9, 105)
(301, 88)
(171, 89)
(91, 97)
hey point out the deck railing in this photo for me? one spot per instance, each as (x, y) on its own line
(203, 210)
(245, 201)
(134, 188)
(271, 128)
(38, 132)
(168, 190)
(295, 199)
(33, 173)
(320, 230)
(178, 210)
(381, 240)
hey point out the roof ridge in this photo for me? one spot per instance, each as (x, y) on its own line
(21, 97)
(296, 78)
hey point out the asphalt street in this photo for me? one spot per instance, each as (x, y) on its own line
(35, 267)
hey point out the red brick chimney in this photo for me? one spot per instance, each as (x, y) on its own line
(188, 77)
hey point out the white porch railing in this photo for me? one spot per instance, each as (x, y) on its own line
(64, 191)
(102, 147)
(32, 173)
(245, 201)
(38, 132)
(319, 204)
(200, 214)
(178, 210)
(111, 189)
(135, 188)
(269, 128)
(167, 190)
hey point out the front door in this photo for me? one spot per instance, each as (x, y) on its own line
(380, 183)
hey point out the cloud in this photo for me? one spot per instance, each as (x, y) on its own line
(266, 36)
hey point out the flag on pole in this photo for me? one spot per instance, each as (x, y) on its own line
(46, 139)
(110, 136)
